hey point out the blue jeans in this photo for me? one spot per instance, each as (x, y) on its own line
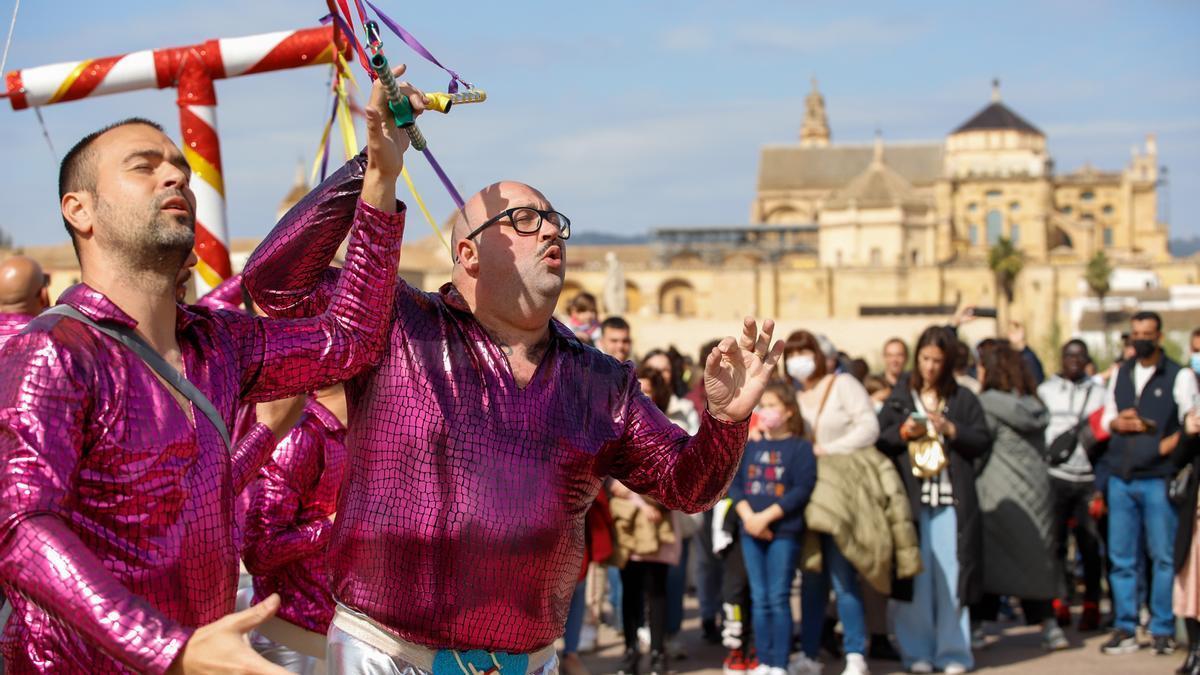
(575, 618)
(771, 567)
(676, 585)
(615, 593)
(935, 626)
(814, 596)
(1135, 507)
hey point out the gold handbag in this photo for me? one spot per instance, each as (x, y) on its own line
(927, 456)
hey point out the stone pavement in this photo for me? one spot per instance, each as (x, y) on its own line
(1012, 649)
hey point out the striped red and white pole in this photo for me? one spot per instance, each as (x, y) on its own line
(198, 119)
(192, 69)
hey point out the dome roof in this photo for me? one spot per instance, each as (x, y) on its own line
(997, 116)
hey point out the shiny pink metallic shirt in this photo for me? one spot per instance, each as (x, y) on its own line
(288, 526)
(11, 324)
(115, 510)
(461, 521)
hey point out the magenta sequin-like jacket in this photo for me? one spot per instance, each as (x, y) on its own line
(460, 524)
(11, 324)
(116, 511)
(288, 525)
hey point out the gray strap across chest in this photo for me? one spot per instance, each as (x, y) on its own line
(156, 362)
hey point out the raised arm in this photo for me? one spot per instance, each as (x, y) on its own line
(273, 536)
(289, 357)
(289, 273)
(684, 473)
(657, 458)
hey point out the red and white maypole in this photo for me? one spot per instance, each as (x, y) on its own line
(191, 70)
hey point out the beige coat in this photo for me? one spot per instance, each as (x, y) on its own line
(634, 534)
(860, 500)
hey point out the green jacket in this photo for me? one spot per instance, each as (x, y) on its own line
(861, 501)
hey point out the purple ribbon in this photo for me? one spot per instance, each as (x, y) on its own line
(437, 168)
(417, 47)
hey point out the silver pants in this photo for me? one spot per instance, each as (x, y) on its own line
(346, 655)
(286, 658)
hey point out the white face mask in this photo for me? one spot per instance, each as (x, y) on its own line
(800, 367)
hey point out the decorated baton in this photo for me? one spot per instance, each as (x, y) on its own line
(401, 108)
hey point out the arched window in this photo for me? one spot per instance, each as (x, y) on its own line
(995, 227)
(973, 234)
(677, 298)
(1016, 234)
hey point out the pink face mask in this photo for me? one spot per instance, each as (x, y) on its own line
(770, 419)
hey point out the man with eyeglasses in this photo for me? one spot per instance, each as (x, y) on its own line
(482, 437)
(24, 293)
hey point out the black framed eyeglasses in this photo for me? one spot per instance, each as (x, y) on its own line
(528, 220)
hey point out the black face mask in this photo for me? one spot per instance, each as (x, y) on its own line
(1144, 348)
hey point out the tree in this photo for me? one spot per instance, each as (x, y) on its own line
(5, 240)
(1006, 262)
(1098, 273)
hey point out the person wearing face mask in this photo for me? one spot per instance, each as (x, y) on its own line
(839, 413)
(769, 493)
(1146, 404)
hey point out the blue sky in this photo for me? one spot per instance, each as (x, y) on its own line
(634, 115)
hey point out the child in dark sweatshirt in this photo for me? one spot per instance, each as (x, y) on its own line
(770, 491)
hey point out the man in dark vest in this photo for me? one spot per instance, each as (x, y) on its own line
(1147, 401)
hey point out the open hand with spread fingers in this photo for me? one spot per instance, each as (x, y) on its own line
(737, 371)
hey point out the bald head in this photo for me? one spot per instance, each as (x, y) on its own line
(22, 286)
(491, 201)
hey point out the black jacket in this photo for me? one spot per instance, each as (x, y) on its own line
(973, 442)
(1187, 452)
(1133, 456)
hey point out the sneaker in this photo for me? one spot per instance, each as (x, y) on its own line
(1053, 638)
(1089, 620)
(1164, 645)
(736, 663)
(954, 669)
(1121, 642)
(802, 665)
(921, 667)
(1062, 612)
(856, 665)
(761, 669)
(776, 670)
